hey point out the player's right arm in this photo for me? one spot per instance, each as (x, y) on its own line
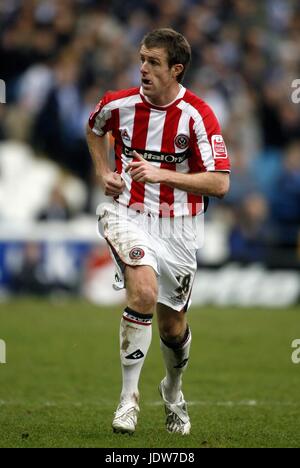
(110, 181)
(97, 135)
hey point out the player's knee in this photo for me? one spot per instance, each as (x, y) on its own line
(144, 297)
(171, 334)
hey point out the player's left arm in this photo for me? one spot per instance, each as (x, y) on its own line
(215, 184)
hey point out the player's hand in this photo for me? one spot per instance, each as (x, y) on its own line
(112, 184)
(143, 171)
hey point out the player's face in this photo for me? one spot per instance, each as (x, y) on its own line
(158, 80)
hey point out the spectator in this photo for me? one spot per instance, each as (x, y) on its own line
(285, 199)
(57, 209)
(250, 237)
(31, 277)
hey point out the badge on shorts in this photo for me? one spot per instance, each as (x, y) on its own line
(218, 146)
(182, 141)
(136, 253)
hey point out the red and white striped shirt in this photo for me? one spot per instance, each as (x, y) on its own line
(183, 136)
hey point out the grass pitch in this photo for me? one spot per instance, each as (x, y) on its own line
(61, 383)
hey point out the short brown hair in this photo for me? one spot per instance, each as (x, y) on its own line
(175, 44)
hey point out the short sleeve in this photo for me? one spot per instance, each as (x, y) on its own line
(209, 145)
(219, 151)
(100, 120)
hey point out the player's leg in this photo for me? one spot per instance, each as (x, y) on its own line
(175, 341)
(136, 264)
(141, 288)
(136, 326)
(135, 339)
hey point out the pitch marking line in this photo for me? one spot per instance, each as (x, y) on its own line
(247, 403)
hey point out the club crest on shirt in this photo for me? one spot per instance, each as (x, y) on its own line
(124, 135)
(182, 141)
(136, 253)
(219, 147)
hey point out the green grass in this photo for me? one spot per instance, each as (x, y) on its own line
(61, 383)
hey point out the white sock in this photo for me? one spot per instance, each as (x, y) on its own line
(135, 339)
(176, 360)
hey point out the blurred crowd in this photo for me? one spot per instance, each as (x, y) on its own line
(59, 56)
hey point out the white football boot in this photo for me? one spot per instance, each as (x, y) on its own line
(177, 418)
(125, 419)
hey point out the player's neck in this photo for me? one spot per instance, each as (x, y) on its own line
(167, 98)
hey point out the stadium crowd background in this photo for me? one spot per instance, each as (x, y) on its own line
(59, 56)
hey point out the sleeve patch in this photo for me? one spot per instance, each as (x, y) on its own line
(218, 147)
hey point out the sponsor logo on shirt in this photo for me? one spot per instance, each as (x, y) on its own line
(157, 156)
(218, 146)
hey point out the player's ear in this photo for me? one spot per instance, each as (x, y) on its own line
(177, 69)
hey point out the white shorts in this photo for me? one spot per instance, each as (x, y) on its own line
(168, 245)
